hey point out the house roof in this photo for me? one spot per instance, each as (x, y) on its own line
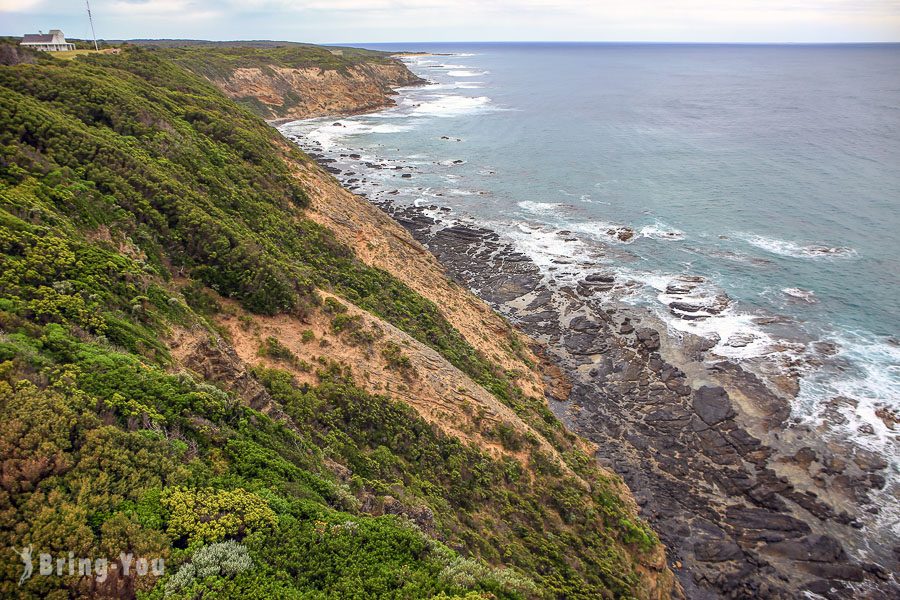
(37, 38)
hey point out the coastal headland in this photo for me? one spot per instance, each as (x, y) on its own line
(330, 370)
(213, 354)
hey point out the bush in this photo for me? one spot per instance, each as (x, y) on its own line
(224, 559)
(274, 349)
(209, 515)
(395, 357)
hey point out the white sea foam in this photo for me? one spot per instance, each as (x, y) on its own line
(869, 375)
(455, 85)
(598, 229)
(805, 295)
(798, 250)
(332, 137)
(605, 231)
(545, 246)
(451, 105)
(661, 231)
(736, 335)
(540, 207)
(466, 73)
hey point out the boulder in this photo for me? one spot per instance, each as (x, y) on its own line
(717, 551)
(584, 325)
(813, 548)
(712, 404)
(649, 338)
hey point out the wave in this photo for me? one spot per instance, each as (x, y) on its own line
(805, 295)
(450, 105)
(660, 231)
(607, 232)
(798, 250)
(466, 73)
(547, 246)
(540, 207)
(330, 133)
(857, 397)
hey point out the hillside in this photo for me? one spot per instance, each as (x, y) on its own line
(213, 354)
(294, 81)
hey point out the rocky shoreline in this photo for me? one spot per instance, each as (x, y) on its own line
(749, 504)
(709, 455)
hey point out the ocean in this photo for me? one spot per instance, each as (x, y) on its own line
(748, 194)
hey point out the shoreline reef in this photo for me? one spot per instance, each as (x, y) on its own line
(747, 504)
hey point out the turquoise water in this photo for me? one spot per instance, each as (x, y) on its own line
(772, 172)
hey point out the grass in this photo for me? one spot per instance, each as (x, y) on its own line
(70, 54)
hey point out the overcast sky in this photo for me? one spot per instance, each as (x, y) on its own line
(332, 21)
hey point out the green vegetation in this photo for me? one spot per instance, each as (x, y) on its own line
(271, 61)
(130, 190)
(394, 356)
(220, 59)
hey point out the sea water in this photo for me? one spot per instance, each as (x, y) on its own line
(771, 172)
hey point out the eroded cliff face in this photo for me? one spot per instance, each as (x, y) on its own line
(438, 393)
(284, 94)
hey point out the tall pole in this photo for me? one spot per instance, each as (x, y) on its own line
(91, 19)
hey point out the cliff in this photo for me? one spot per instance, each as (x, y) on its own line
(290, 94)
(212, 353)
(298, 81)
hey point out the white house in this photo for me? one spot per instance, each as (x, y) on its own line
(54, 41)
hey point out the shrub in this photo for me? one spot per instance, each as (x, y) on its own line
(272, 348)
(333, 306)
(225, 559)
(209, 515)
(395, 357)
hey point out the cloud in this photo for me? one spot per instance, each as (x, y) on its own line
(390, 20)
(10, 6)
(180, 9)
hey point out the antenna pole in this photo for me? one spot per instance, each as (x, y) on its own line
(91, 19)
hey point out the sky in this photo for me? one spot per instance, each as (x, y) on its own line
(347, 21)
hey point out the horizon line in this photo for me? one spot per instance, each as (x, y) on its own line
(611, 42)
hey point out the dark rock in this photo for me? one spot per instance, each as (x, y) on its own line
(821, 587)
(717, 551)
(765, 520)
(814, 548)
(600, 278)
(712, 404)
(843, 572)
(584, 325)
(649, 338)
(583, 343)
